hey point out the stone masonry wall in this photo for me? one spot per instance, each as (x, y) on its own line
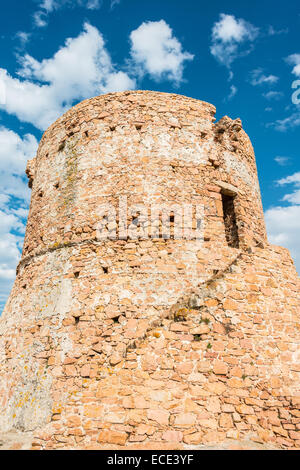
(149, 342)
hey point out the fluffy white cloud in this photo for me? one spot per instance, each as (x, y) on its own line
(257, 77)
(228, 35)
(294, 179)
(79, 70)
(14, 153)
(43, 90)
(294, 59)
(48, 5)
(289, 122)
(283, 223)
(156, 51)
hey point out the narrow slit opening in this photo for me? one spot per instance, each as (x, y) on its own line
(172, 225)
(229, 216)
(62, 146)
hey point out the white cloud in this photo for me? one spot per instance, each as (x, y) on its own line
(290, 122)
(233, 92)
(228, 35)
(9, 256)
(4, 199)
(114, 3)
(273, 95)
(294, 179)
(39, 19)
(9, 222)
(92, 4)
(282, 161)
(48, 6)
(14, 153)
(12, 230)
(156, 51)
(79, 70)
(283, 223)
(294, 59)
(274, 32)
(257, 77)
(23, 37)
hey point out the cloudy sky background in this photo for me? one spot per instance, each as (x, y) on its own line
(243, 58)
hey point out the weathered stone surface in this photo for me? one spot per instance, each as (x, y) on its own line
(142, 342)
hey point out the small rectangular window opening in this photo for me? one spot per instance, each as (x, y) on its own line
(229, 216)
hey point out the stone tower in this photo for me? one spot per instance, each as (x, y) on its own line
(119, 334)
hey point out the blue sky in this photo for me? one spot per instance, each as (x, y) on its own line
(242, 57)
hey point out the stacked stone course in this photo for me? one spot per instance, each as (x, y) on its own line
(149, 343)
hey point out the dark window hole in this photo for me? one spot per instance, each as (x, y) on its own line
(229, 216)
(62, 146)
(135, 219)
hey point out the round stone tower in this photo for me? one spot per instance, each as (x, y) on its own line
(146, 256)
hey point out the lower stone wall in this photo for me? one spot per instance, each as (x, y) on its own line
(221, 369)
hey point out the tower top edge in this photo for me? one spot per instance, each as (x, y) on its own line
(155, 99)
